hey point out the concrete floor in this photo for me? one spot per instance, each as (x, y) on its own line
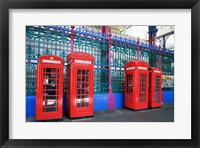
(164, 114)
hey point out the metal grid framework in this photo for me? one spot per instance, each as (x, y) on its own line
(56, 40)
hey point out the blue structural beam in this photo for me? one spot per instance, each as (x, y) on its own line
(152, 30)
(152, 35)
(168, 96)
(100, 102)
(30, 106)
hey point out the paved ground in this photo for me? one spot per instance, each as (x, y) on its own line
(164, 114)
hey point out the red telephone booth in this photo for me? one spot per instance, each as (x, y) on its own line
(155, 87)
(80, 85)
(136, 85)
(49, 88)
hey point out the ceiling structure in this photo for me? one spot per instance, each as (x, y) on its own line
(133, 32)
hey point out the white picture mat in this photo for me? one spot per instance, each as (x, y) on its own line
(19, 129)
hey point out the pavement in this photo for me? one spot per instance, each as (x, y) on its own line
(163, 114)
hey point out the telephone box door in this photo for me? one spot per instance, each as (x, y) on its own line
(129, 89)
(81, 87)
(49, 91)
(158, 89)
(136, 85)
(142, 89)
(83, 91)
(155, 87)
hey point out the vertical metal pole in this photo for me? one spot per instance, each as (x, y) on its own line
(109, 62)
(164, 42)
(159, 58)
(111, 100)
(160, 66)
(138, 49)
(104, 30)
(154, 40)
(155, 30)
(150, 39)
(150, 35)
(72, 39)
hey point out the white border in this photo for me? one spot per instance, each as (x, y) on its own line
(180, 129)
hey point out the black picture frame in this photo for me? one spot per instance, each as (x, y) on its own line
(5, 5)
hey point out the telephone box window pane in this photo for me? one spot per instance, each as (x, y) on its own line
(79, 78)
(79, 72)
(87, 91)
(82, 87)
(78, 101)
(129, 83)
(87, 85)
(82, 103)
(157, 89)
(78, 85)
(50, 92)
(142, 97)
(53, 109)
(87, 100)
(78, 104)
(87, 78)
(83, 72)
(87, 72)
(78, 91)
